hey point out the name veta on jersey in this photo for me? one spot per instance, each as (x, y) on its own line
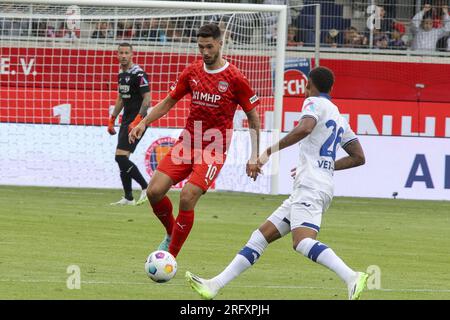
(325, 164)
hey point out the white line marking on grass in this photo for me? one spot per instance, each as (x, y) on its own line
(231, 286)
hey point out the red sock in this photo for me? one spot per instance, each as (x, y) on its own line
(163, 210)
(181, 230)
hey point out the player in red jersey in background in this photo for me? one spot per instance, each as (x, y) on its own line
(216, 88)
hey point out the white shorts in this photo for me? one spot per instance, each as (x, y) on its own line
(304, 208)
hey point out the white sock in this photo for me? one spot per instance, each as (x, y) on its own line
(320, 253)
(243, 260)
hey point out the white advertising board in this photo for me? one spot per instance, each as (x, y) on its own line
(83, 157)
(413, 167)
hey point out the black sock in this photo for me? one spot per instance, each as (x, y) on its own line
(131, 169)
(126, 183)
(137, 176)
(125, 177)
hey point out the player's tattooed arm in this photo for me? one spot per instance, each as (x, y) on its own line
(118, 106)
(160, 109)
(157, 112)
(254, 125)
(355, 156)
(303, 129)
(146, 103)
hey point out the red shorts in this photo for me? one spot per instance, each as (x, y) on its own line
(201, 166)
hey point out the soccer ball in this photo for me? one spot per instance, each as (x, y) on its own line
(160, 266)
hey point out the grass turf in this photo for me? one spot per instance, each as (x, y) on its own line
(45, 230)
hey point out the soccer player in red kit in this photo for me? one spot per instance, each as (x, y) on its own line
(216, 88)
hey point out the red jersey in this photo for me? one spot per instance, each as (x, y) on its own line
(215, 95)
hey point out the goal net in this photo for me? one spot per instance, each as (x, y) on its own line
(59, 70)
(59, 58)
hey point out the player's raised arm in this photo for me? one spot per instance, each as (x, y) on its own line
(146, 100)
(117, 108)
(355, 156)
(303, 129)
(254, 125)
(157, 112)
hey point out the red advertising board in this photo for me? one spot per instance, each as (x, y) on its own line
(74, 86)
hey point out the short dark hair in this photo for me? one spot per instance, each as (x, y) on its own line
(209, 30)
(126, 44)
(322, 78)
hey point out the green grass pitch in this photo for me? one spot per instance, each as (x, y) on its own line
(45, 230)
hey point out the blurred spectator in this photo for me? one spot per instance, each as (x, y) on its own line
(380, 39)
(381, 29)
(437, 12)
(270, 21)
(390, 7)
(144, 31)
(331, 39)
(305, 24)
(39, 28)
(174, 34)
(125, 30)
(293, 37)
(386, 23)
(396, 40)
(158, 30)
(426, 37)
(102, 31)
(64, 32)
(51, 30)
(448, 44)
(353, 39)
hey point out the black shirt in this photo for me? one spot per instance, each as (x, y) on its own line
(133, 83)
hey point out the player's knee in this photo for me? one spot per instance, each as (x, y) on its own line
(296, 242)
(187, 198)
(122, 162)
(154, 194)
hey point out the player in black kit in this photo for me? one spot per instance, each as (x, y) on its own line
(134, 98)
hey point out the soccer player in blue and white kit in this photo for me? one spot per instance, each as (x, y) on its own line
(320, 130)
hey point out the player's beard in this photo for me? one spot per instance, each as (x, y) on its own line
(125, 64)
(212, 60)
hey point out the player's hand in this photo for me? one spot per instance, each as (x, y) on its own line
(136, 132)
(253, 170)
(111, 129)
(135, 123)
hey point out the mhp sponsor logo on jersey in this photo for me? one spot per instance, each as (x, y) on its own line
(296, 72)
(156, 152)
(204, 96)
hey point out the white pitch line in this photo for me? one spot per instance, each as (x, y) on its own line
(231, 286)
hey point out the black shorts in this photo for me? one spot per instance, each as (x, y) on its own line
(123, 142)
